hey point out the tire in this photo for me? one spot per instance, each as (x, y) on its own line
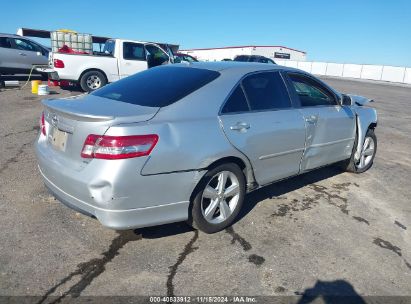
(92, 80)
(369, 145)
(209, 198)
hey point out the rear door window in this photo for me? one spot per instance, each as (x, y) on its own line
(133, 51)
(158, 87)
(266, 91)
(236, 102)
(5, 42)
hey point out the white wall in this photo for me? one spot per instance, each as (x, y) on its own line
(319, 68)
(407, 77)
(373, 72)
(305, 65)
(335, 69)
(394, 74)
(361, 71)
(352, 70)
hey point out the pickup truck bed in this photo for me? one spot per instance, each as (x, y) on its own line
(120, 58)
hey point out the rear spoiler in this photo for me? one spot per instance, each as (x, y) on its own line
(359, 100)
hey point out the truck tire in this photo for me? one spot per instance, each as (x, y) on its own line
(92, 80)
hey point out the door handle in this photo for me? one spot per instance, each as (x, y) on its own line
(240, 126)
(312, 119)
(22, 54)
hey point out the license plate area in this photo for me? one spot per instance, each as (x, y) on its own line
(58, 139)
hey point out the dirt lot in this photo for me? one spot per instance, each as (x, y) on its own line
(326, 232)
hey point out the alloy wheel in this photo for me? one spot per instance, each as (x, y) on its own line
(220, 197)
(367, 153)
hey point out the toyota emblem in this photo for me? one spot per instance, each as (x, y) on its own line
(54, 120)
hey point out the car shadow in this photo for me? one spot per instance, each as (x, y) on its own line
(251, 200)
(157, 232)
(335, 292)
(285, 186)
(72, 88)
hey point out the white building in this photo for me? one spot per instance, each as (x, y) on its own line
(271, 51)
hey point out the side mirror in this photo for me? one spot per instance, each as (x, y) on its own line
(346, 100)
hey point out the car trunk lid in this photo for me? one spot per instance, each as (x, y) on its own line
(69, 121)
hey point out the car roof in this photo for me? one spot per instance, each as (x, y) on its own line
(242, 67)
(9, 35)
(16, 36)
(23, 37)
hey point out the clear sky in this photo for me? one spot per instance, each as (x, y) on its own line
(352, 31)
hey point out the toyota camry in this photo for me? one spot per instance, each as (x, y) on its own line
(186, 142)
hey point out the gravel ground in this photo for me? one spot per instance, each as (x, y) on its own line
(322, 233)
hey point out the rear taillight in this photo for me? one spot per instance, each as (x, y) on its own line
(58, 63)
(118, 147)
(42, 124)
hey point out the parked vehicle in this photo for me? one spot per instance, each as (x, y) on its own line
(180, 57)
(119, 59)
(19, 54)
(186, 142)
(253, 58)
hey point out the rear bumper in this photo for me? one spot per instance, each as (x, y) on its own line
(122, 219)
(115, 193)
(56, 77)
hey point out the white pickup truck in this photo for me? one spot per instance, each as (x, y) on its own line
(119, 59)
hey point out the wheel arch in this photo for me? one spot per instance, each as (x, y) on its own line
(244, 165)
(229, 159)
(372, 125)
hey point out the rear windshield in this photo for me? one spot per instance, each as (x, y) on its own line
(157, 87)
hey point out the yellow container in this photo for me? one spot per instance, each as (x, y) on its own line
(35, 86)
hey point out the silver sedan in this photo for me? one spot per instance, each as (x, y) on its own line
(188, 141)
(19, 54)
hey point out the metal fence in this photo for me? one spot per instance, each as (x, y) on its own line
(361, 71)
